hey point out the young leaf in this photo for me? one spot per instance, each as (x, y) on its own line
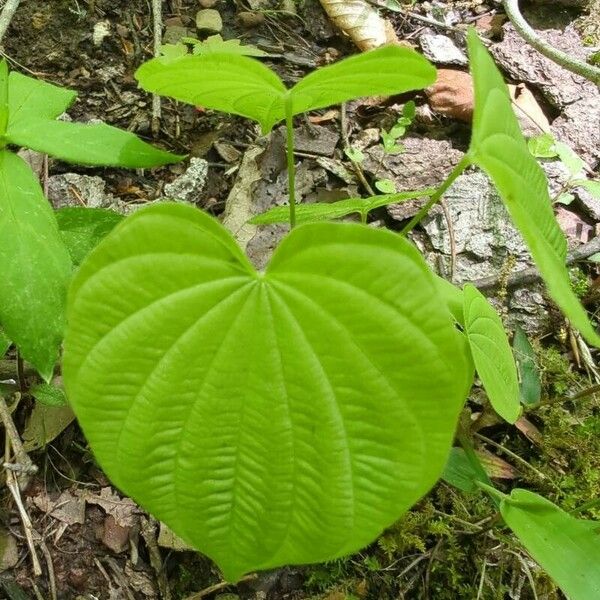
(321, 211)
(459, 472)
(591, 185)
(262, 416)
(542, 146)
(566, 547)
(227, 82)
(499, 148)
(215, 44)
(529, 376)
(30, 98)
(243, 86)
(491, 352)
(381, 72)
(83, 228)
(97, 144)
(48, 394)
(35, 266)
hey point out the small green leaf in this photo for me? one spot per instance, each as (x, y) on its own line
(263, 416)
(529, 375)
(459, 472)
(567, 548)
(215, 44)
(409, 111)
(49, 394)
(492, 355)
(243, 86)
(35, 266)
(565, 199)
(591, 185)
(97, 144)
(386, 186)
(569, 158)
(83, 228)
(542, 146)
(30, 98)
(354, 154)
(321, 211)
(499, 148)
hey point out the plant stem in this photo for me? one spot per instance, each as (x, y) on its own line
(558, 56)
(291, 167)
(3, 101)
(157, 26)
(6, 16)
(460, 167)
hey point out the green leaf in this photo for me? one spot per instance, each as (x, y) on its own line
(35, 266)
(263, 416)
(3, 100)
(529, 375)
(243, 86)
(381, 72)
(569, 158)
(499, 148)
(30, 98)
(227, 82)
(83, 228)
(385, 186)
(566, 547)
(216, 44)
(591, 185)
(48, 394)
(542, 146)
(492, 355)
(321, 211)
(97, 144)
(459, 471)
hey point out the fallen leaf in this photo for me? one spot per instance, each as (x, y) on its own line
(531, 117)
(494, 466)
(44, 424)
(361, 22)
(114, 536)
(452, 94)
(529, 430)
(124, 510)
(67, 508)
(167, 539)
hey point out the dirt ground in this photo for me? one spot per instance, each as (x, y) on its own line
(92, 542)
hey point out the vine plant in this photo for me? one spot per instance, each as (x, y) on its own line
(290, 415)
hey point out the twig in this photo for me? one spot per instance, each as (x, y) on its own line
(451, 237)
(148, 531)
(531, 275)
(558, 56)
(217, 588)
(157, 24)
(50, 567)
(6, 16)
(21, 457)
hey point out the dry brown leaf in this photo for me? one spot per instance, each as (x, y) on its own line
(123, 510)
(452, 94)
(530, 115)
(361, 22)
(496, 467)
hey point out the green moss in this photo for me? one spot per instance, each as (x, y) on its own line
(580, 282)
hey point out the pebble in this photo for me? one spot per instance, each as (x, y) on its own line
(440, 49)
(209, 19)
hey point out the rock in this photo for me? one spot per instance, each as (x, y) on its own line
(250, 19)
(316, 140)
(72, 189)
(114, 536)
(576, 98)
(187, 187)
(174, 33)
(100, 32)
(9, 551)
(209, 19)
(207, 3)
(440, 49)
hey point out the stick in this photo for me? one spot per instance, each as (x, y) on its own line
(558, 56)
(530, 275)
(6, 16)
(157, 24)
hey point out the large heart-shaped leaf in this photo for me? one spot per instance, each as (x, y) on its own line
(498, 147)
(492, 355)
(267, 418)
(34, 264)
(243, 86)
(567, 548)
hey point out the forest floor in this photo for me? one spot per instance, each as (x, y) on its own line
(93, 542)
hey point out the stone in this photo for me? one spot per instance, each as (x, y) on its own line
(72, 189)
(209, 19)
(187, 187)
(440, 49)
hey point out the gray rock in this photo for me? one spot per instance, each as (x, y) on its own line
(209, 19)
(440, 49)
(187, 187)
(72, 189)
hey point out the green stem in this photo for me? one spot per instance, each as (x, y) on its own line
(460, 167)
(291, 167)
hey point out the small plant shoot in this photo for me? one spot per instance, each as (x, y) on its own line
(289, 416)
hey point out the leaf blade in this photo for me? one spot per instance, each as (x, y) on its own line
(494, 361)
(498, 147)
(35, 265)
(267, 456)
(94, 144)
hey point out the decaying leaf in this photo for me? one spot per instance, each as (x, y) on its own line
(123, 510)
(44, 424)
(361, 22)
(452, 94)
